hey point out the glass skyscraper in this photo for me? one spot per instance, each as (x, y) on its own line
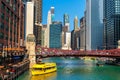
(55, 35)
(111, 23)
(94, 24)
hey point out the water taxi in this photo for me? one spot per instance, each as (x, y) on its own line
(87, 59)
(43, 68)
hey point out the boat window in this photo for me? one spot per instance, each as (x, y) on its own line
(49, 68)
(37, 68)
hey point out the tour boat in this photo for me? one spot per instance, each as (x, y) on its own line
(43, 68)
(87, 58)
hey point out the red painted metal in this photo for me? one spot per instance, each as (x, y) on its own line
(49, 52)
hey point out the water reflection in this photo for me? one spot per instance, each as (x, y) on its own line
(50, 76)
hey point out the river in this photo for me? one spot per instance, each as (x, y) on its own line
(76, 69)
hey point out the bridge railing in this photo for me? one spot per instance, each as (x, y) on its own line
(49, 51)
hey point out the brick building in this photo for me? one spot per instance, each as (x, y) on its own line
(11, 23)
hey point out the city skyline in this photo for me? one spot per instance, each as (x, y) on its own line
(61, 9)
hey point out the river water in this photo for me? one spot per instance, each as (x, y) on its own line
(76, 69)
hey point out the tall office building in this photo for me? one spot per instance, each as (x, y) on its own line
(75, 39)
(94, 24)
(38, 10)
(66, 21)
(76, 23)
(29, 18)
(82, 33)
(11, 23)
(47, 29)
(44, 27)
(38, 33)
(37, 20)
(75, 36)
(66, 35)
(55, 35)
(111, 23)
(52, 14)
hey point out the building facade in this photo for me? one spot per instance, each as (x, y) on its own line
(11, 23)
(38, 10)
(75, 39)
(111, 23)
(52, 13)
(82, 33)
(66, 21)
(66, 35)
(44, 27)
(29, 18)
(75, 36)
(76, 23)
(47, 31)
(55, 35)
(67, 44)
(94, 24)
(38, 33)
(37, 30)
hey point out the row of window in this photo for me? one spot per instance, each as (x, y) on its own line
(13, 5)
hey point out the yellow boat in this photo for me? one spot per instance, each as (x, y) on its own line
(43, 68)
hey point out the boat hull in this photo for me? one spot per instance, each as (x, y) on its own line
(39, 69)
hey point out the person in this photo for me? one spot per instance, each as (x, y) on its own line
(7, 71)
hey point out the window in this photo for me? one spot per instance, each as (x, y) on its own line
(6, 28)
(1, 25)
(7, 10)
(8, 1)
(6, 37)
(1, 35)
(3, 6)
(7, 18)
(10, 29)
(2, 15)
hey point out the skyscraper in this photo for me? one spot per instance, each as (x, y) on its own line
(43, 44)
(66, 21)
(111, 23)
(38, 33)
(29, 18)
(75, 36)
(94, 24)
(55, 35)
(37, 29)
(82, 33)
(48, 29)
(76, 23)
(66, 35)
(52, 14)
(38, 10)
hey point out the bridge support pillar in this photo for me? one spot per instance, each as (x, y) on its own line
(30, 46)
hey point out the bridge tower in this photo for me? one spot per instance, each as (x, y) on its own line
(30, 46)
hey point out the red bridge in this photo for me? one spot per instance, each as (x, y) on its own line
(48, 52)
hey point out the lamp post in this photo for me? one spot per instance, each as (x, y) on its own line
(105, 33)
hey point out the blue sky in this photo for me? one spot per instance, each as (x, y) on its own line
(71, 7)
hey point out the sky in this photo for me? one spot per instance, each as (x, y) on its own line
(71, 7)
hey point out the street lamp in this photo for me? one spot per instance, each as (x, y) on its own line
(105, 33)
